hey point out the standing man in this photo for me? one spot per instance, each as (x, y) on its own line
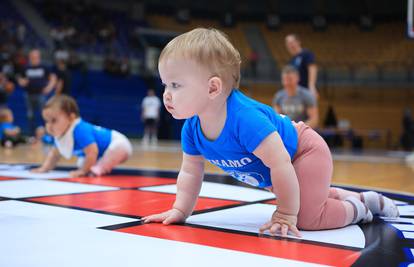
(150, 110)
(63, 83)
(294, 100)
(38, 83)
(304, 61)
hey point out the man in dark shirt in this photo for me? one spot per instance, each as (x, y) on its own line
(38, 82)
(63, 78)
(304, 60)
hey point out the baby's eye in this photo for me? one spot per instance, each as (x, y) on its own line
(163, 85)
(175, 85)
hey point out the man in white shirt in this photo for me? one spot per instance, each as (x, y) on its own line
(150, 113)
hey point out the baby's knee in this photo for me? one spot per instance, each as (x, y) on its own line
(307, 222)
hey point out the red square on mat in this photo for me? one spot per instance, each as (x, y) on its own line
(128, 202)
(122, 180)
(272, 202)
(7, 178)
(286, 249)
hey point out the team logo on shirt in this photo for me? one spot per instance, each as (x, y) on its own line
(250, 178)
(227, 163)
(298, 61)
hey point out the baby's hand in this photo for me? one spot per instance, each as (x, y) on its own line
(281, 223)
(39, 170)
(76, 173)
(168, 217)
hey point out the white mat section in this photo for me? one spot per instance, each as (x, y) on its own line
(34, 243)
(34, 188)
(404, 227)
(30, 175)
(223, 191)
(409, 235)
(16, 211)
(399, 202)
(250, 218)
(407, 210)
(22, 171)
(398, 220)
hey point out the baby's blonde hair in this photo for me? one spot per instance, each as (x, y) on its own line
(210, 48)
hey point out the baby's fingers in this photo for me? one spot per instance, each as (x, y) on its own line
(265, 227)
(154, 218)
(284, 229)
(169, 220)
(295, 231)
(274, 230)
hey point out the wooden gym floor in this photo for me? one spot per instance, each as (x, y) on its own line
(388, 175)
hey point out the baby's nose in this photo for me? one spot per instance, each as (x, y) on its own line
(167, 96)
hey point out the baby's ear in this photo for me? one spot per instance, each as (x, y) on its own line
(215, 87)
(73, 116)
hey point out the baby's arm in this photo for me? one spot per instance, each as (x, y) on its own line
(188, 187)
(50, 162)
(91, 155)
(13, 131)
(285, 185)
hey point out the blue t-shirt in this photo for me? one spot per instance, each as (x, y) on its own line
(301, 62)
(247, 124)
(85, 134)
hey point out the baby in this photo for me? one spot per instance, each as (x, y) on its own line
(200, 70)
(98, 149)
(10, 134)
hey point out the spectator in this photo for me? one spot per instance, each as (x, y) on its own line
(38, 82)
(6, 88)
(124, 67)
(150, 114)
(304, 60)
(58, 36)
(407, 136)
(63, 78)
(294, 100)
(253, 58)
(21, 34)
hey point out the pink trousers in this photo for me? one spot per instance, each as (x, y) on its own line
(313, 166)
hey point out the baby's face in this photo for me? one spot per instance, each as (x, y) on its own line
(186, 87)
(57, 122)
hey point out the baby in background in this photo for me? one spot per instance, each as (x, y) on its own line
(98, 149)
(10, 134)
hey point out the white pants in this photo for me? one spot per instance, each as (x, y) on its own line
(118, 151)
